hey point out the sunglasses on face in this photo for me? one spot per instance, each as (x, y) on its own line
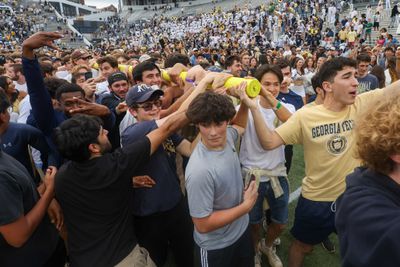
(149, 105)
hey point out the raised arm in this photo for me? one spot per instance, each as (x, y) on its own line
(171, 125)
(42, 107)
(239, 122)
(268, 138)
(281, 111)
(215, 80)
(178, 119)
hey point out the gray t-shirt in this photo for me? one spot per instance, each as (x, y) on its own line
(367, 83)
(214, 182)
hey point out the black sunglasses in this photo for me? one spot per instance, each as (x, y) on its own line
(149, 105)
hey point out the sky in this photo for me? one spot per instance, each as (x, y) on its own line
(100, 3)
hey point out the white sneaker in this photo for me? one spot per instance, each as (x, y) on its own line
(270, 252)
(277, 242)
(257, 259)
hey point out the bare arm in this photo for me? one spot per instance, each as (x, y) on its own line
(239, 122)
(174, 107)
(170, 93)
(268, 139)
(185, 148)
(172, 124)
(196, 74)
(216, 79)
(282, 113)
(220, 218)
(19, 231)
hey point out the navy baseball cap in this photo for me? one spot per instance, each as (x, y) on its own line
(141, 93)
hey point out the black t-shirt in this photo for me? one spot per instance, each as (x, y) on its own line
(18, 195)
(95, 196)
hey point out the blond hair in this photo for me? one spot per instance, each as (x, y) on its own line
(378, 134)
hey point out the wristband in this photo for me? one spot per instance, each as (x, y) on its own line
(278, 106)
(189, 80)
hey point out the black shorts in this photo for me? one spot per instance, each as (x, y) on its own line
(239, 254)
(314, 221)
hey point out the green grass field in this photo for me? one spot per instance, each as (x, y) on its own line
(319, 257)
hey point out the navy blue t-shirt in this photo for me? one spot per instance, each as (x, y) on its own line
(166, 193)
(15, 141)
(291, 98)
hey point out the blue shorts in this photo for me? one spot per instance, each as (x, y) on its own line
(278, 206)
(314, 221)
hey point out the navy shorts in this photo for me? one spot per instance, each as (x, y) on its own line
(314, 221)
(278, 206)
(239, 254)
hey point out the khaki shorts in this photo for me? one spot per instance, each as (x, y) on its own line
(139, 257)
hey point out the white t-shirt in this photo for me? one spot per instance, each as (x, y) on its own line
(252, 155)
(102, 88)
(24, 109)
(388, 78)
(21, 87)
(62, 74)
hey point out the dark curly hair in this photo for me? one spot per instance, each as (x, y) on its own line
(74, 136)
(210, 107)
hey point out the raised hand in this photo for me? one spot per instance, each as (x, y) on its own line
(89, 86)
(240, 92)
(121, 108)
(217, 79)
(84, 107)
(37, 40)
(41, 39)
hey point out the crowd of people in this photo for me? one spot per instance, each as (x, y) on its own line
(272, 25)
(144, 146)
(21, 21)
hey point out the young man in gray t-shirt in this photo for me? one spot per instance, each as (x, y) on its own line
(218, 207)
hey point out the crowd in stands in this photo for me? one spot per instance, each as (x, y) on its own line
(25, 20)
(280, 23)
(143, 146)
